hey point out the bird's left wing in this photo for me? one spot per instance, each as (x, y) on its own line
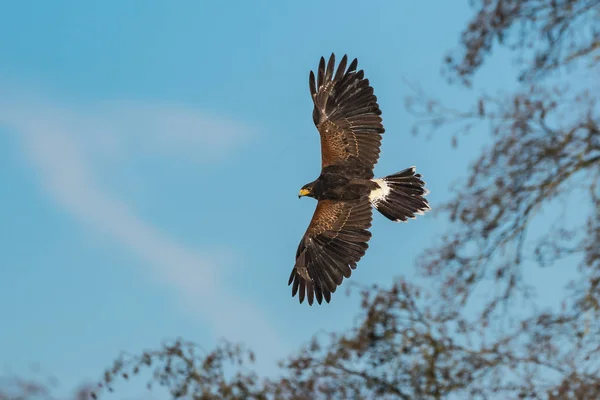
(336, 239)
(346, 115)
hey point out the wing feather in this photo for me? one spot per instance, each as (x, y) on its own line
(335, 240)
(346, 115)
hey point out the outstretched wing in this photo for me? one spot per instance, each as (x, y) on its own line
(334, 242)
(346, 114)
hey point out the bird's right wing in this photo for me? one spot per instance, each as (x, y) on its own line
(336, 239)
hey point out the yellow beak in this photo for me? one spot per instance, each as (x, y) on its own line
(303, 192)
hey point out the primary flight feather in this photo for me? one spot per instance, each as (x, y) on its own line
(348, 119)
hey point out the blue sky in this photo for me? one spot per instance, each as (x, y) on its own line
(150, 158)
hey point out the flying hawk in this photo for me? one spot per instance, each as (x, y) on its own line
(347, 117)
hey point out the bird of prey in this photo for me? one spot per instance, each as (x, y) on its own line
(348, 119)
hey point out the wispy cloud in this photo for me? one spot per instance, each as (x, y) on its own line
(68, 144)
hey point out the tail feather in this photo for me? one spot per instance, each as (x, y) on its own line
(400, 196)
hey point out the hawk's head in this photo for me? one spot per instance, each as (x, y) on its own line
(307, 190)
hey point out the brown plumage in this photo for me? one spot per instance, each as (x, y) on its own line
(347, 117)
(334, 242)
(346, 114)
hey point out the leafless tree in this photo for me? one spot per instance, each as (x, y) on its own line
(37, 387)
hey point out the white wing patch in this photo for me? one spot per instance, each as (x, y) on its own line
(380, 193)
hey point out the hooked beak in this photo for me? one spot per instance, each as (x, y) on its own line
(303, 192)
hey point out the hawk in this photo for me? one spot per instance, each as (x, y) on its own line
(348, 119)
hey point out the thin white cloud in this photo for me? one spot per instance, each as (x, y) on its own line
(66, 145)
